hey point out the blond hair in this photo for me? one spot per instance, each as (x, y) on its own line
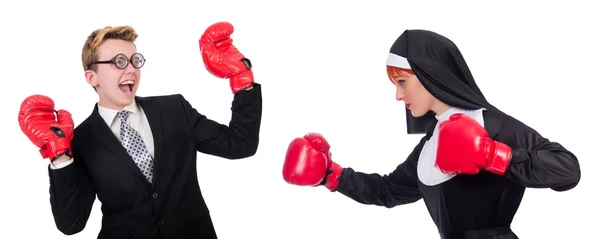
(89, 54)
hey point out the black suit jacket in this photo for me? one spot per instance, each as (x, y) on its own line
(170, 207)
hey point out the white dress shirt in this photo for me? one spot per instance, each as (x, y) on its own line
(137, 120)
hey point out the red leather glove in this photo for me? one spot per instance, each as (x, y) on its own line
(51, 133)
(465, 147)
(308, 163)
(222, 59)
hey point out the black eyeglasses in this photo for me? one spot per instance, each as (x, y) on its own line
(121, 61)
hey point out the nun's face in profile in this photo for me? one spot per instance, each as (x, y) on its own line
(410, 90)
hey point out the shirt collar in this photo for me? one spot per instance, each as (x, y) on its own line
(109, 114)
(446, 115)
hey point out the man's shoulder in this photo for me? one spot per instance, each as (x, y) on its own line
(160, 98)
(166, 102)
(84, 125)
(82, 131)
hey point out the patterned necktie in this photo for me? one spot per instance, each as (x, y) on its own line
(133, 143)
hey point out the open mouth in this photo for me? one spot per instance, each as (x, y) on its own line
(126, 86)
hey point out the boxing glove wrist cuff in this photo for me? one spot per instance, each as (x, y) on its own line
(241, 81)
(56, 148)
(332, 181)
(500, 158)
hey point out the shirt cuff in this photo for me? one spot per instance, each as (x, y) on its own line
(61, 165)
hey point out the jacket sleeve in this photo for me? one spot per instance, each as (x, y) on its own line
(237, 140)
(536, 161)
(72, 195)
(396, 188)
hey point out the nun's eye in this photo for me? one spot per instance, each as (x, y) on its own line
(401, 82)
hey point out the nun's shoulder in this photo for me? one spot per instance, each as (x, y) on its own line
(493, 120)
(508, 129)
(502, 121)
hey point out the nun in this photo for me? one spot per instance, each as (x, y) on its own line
(472, 165)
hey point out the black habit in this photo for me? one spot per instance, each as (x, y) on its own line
(462, 206)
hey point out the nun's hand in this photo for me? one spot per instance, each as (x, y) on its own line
(464, 146)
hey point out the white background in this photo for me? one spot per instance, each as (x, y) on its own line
(537, 62)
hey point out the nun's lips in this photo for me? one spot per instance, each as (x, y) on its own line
(408, 106)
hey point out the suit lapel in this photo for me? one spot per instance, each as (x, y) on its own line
(106, 137)
(153, 114)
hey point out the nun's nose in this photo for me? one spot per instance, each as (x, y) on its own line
(399, 94)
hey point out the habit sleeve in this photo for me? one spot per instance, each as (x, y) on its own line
(536, 161)
(397, 188)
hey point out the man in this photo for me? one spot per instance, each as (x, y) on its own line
(138, 154)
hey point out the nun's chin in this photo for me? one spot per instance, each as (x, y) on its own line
(416, 114)
(413, 114)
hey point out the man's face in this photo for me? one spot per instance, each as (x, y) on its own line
(116, 87)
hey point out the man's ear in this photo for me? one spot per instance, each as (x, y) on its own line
(91, 78)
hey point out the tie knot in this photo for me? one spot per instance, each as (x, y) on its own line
(123, 115)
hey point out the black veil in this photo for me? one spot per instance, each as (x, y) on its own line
(441, 68)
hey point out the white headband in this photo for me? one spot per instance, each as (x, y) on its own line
(397, 61)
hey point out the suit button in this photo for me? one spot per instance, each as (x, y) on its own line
(155, 195)
(161, 222)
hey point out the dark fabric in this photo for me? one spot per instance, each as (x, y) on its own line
(172, 206)
(486, 233)
(396, 188)
(468, 202)
(464, 202)
(442, 70)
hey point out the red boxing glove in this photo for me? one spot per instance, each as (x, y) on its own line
(222, 59)
(308, 163)
(51, 133)
(465, 147)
